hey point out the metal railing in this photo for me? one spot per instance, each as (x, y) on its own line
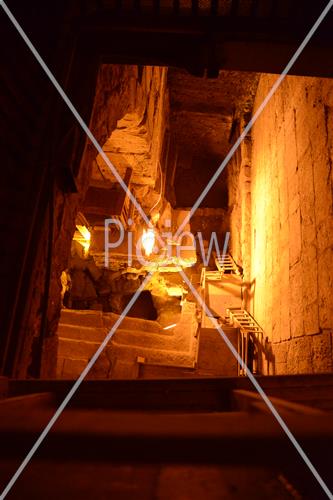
(226, 264)
(251, 344)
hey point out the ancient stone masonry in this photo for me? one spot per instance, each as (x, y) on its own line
(203, 113)
(126, 98)
(239, 185)
(292, 222)
(134, 137)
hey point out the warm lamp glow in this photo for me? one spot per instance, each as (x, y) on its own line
(83, 236)
(84, 231)
(148, 240)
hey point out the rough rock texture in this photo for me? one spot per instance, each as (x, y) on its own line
(136, 139)
(292, 222)
(239, 190)
(121, 91)
(203, 112)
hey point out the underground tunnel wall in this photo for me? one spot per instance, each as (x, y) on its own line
(120, 89)
(292, 222)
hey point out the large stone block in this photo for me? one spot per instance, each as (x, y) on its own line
(72, 368)
(101, 368)
(325, 284)
(296, 301)
(322, 186)
(299, 359)
(303, 131)
(310, 289)
(322, 352)
(82, 318)
(285, 312)
(295, 241)
(325, 233)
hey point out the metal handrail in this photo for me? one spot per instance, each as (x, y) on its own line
(251, 336)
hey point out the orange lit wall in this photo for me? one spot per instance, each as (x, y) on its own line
(292, 222)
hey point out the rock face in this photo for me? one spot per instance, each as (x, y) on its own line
(135, 139)
(275, 197)
(203, 112)
(129, 102)
(292, 222)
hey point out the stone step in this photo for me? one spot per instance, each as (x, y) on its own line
(124, 370)
(93, 319)
(78, 349)
(121, 336)
(129, 323)
(99, 319)
(85, 333)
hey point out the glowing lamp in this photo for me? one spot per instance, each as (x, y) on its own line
(148, 240)
(83, 236)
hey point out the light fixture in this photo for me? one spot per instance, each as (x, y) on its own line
(148, 240)
(170, 326)
(82, 236)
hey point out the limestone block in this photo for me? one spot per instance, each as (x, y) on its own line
(69, 348)
(310, 289)
(296, 301)
(295, 240)
(325, 283)
(73, 368)
(276, 310)
(293, 192)
(308, 230)
(283, 209)
(280, 354)
(322, 352)
(311, 318)
(325, 233)
(299, 355)
(280, 369)
(290, 150)
(284, 294)
(302, 130)
(322, 188)
(101, 368)
(83, 318)
(285, 313)
(327, 91)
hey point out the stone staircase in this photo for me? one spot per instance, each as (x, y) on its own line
(135, 342)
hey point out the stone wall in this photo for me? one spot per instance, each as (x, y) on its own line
(292, 222)
(239, 189)
(119, 90)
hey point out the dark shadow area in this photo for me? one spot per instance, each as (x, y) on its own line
(143, 308)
